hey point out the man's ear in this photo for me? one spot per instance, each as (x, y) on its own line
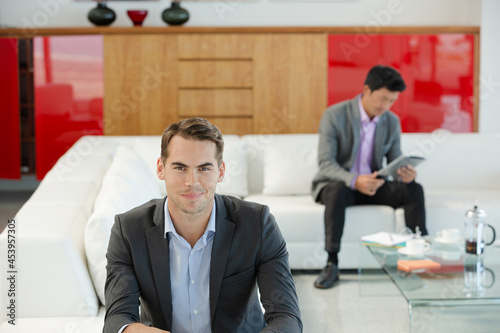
(222, 172)
(160, 169)
(366, 90)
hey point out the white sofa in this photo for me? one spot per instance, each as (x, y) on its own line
(61, 232)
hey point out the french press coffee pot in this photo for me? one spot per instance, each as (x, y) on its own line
(474, 231)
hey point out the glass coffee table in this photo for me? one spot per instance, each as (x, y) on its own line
(463, 294)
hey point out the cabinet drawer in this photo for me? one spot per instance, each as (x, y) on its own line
(232, 125)
(216, 74)
(215, 102)
(215, 46)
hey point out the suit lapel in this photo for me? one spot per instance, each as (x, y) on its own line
(224, 230)
(356, 128)
(160, 262)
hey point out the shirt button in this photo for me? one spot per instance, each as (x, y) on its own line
(195, 311)
(192, 281)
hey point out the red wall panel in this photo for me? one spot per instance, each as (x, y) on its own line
(10, 149)
(438, 71)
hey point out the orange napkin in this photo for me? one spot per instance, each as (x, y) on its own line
(411, 265)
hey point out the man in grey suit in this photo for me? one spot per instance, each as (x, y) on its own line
(354, 137)
(192, 260)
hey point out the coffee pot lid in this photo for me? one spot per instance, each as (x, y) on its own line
(476, 213)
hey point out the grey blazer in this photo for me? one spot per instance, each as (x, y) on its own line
(248, 247)
(339, 139)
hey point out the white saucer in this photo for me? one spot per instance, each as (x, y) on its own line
(405, 252)
(445, 241)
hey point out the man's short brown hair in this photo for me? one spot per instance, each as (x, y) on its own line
(195, 129)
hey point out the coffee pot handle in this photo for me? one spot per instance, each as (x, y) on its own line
(494, 234)
(492, 277)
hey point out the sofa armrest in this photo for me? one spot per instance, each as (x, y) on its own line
(51, 279)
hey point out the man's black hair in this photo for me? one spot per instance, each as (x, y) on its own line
(385, 77)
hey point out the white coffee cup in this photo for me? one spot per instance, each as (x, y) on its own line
(449, 235)
(416, 246)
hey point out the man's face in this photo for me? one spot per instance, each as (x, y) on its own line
(191, 175)
(378, 101)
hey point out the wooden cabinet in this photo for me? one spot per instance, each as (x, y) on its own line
(290, 75)
(140, 83)
(243, 83)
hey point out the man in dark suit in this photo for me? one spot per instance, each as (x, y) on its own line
(192, 260)
(354, 137)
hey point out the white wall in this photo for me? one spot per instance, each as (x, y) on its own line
(489, 97)
(60, 13)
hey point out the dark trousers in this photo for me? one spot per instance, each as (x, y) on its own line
(336, 197)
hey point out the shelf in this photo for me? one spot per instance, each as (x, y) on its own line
(22, 33)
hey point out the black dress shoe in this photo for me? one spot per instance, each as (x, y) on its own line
(328, 276)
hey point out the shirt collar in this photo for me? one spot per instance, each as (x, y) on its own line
(169, 225)
(365, 119)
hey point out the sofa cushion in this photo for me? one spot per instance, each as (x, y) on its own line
(72, 192)
(235, 179)
(455, 161)
(127, 184)
(301, 221)
(53, 275)
(149, 149)
(80, 324)
(290, 164)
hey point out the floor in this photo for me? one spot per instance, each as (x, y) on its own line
(347, 307)
(10, 202)
(340, 309)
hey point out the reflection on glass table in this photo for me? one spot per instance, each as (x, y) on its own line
(462, 293)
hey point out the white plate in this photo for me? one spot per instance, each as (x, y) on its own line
(445, 241)
(405, 252)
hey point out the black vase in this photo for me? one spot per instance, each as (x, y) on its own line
(101, 15)
(175, 15)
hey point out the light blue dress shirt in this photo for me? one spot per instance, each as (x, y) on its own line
(190, 278)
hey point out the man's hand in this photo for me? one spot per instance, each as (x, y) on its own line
(140, 328)
(368, 184)
(407, 173)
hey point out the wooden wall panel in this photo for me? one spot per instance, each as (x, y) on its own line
(231, 125)
(215, 46)
(140, 84)
(290, 82)
(215, 102)
(215, 74)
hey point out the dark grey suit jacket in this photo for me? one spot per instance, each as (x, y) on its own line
(339, 138)
(248, 248)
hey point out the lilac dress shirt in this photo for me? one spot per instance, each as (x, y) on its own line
(367, 132)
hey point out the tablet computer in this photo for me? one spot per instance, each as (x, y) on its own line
(401, 161)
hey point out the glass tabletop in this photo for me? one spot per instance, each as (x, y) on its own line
(462, 278)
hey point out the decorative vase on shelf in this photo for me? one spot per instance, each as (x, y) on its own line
(101, 15)
(175, 15)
